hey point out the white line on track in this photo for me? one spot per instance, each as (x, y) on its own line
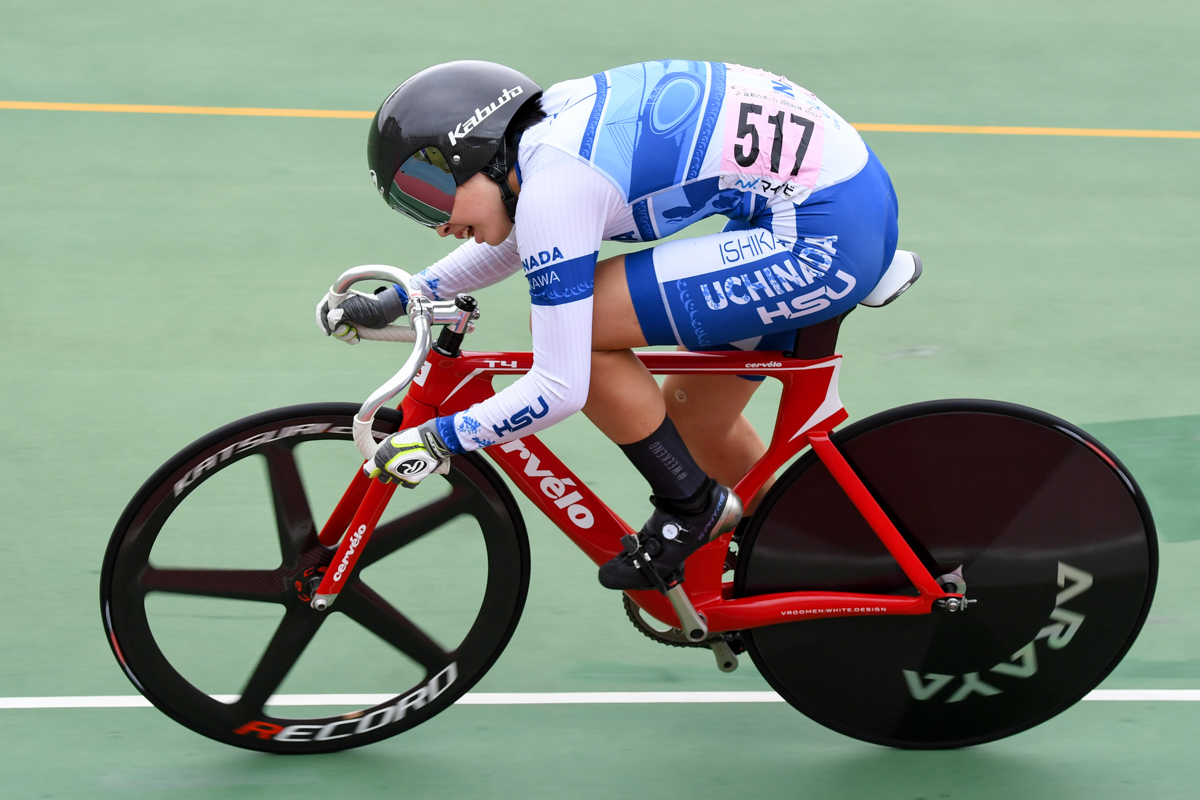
(537, 698)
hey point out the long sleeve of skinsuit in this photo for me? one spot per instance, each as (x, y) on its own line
(468, 267)
(556, 239)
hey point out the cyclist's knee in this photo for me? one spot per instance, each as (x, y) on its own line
(676, 397)
(703, 395)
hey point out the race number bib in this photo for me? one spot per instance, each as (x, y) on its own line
(774, 136)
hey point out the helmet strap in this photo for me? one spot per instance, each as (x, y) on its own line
(497, 169)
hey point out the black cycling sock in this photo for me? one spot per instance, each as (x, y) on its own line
(664, 461)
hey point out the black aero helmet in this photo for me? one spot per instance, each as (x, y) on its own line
(439, 128)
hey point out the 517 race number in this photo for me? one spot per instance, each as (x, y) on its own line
(746, 155)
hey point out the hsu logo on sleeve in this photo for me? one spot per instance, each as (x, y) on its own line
(523, 418)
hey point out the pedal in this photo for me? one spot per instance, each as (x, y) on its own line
(641, 560)
(692, 623)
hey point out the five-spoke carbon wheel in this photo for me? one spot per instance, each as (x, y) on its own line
(207, 578)
(1054, 541)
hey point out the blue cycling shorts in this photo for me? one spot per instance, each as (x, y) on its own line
(753, 284)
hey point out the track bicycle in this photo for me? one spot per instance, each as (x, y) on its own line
(937, 575)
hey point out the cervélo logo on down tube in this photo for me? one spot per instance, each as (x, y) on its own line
(552, 486)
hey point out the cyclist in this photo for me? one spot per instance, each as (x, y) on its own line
(533, 180)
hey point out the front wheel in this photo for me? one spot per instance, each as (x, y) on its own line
(207, 579)
(1052, 536)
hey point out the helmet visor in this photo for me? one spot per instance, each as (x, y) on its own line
(423, 188)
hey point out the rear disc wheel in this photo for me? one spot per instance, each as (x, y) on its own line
(1054, 540)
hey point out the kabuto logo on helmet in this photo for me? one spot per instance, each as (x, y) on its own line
(467, 125)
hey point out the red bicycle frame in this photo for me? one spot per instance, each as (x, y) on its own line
(809, 409)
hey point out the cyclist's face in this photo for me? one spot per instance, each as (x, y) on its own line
(478, 213)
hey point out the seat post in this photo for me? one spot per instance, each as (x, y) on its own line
(818, 341)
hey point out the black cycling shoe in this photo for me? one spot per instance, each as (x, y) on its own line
(670, 538)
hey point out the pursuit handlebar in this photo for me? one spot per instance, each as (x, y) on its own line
(423, 314)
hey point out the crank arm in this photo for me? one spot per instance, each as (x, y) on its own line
(694, 626)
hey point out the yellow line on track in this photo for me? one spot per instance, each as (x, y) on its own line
(206, 110)
(331, 114)
(1014, 131)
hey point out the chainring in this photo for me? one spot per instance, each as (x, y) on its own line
(672, 636)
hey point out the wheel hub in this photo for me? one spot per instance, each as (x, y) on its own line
(306, 582)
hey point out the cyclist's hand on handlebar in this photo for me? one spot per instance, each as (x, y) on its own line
(410, 456)
(369, 311)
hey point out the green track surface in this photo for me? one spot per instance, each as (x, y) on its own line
(159, 275)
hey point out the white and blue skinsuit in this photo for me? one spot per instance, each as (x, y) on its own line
(639, 152)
